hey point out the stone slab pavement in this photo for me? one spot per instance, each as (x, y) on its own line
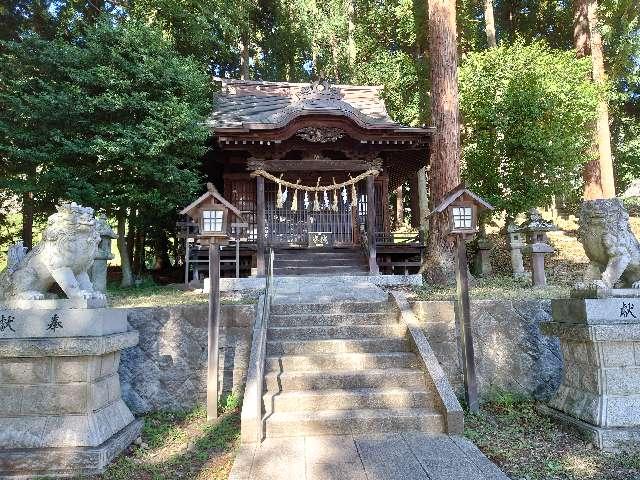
(326, 290)
(391, 456)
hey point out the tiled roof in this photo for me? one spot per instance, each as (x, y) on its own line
(263, 105)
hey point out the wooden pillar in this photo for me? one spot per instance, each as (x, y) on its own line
(414, 201)
(260, 225)
(371, 225)
(423, 199)
(186, 262)
(463, 313)
(399, 208)
(213, 326)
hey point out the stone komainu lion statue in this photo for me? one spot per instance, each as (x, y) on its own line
(67, 250)
(613, 250)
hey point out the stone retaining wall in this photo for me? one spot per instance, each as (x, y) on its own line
(511, 353)
(167, 369)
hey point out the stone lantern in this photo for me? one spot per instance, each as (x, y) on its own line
(536, 228)
(516, 241)
(98, 272)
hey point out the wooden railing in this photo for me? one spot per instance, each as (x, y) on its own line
(393, 238)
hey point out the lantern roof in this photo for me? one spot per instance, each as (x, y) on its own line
(211, 192)
(458, 192)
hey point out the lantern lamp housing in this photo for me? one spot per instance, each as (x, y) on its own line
(211, 212)
(461, 206)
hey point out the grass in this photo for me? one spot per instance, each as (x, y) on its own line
(529, 446)
(181, 445)
(149, 294)
(493, 288)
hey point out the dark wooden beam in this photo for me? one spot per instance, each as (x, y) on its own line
(260, 225)
(371, 225)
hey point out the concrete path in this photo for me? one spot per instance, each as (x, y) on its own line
(326, 290)
(395, 456)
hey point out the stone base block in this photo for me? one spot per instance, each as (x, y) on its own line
(607, 439)
(66, 462)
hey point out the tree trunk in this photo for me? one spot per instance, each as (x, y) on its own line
(125, 259)
(334, 57)
(603, 133)
(399, 208)
(444, 174)
(581, 37)
(139, 253)
(351, 29)
(489, 24)
(244, 57)
(582, 43)
(27, 220)
(161, 252)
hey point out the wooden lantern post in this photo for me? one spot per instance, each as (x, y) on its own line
(461, 205)
(210, 215)
(463, 314)
(213, 329)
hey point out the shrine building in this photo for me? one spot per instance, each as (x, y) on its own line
(310, 166)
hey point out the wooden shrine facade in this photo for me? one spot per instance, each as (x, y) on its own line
(313, 136)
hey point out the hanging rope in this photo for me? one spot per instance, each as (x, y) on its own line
(318, 188)
(294, 199)
(279, 199)
(334, 205)
(316, 203)
(354, 194)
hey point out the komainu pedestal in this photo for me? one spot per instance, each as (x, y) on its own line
(600, 391)
(61, 413)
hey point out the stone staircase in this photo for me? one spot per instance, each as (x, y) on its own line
(319, 262)
(343, 368)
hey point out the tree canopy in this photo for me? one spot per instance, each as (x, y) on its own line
(525, 109)
(112, 119)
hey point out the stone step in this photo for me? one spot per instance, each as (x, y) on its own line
(311, 319)
(368, 398)
(320, 254)
(335, 332)
(319, 270)
(334, 307)
(363, 345)
(344, 380)
(344, 422)
(320, 262)
(341, 361)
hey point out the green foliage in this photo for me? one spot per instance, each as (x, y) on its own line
(526, 444)
(180, 445)
(112, 120)
(231, 402)
(525, 110)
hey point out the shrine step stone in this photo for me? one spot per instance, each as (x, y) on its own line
(334, 319)
(366, 398)
(337, 367)
(339, 331)
(341, 361)
(363, 345)
(360, 421)
(329, 308)
(319, 262)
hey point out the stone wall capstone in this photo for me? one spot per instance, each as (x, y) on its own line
(511, 353)
(167, 370)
